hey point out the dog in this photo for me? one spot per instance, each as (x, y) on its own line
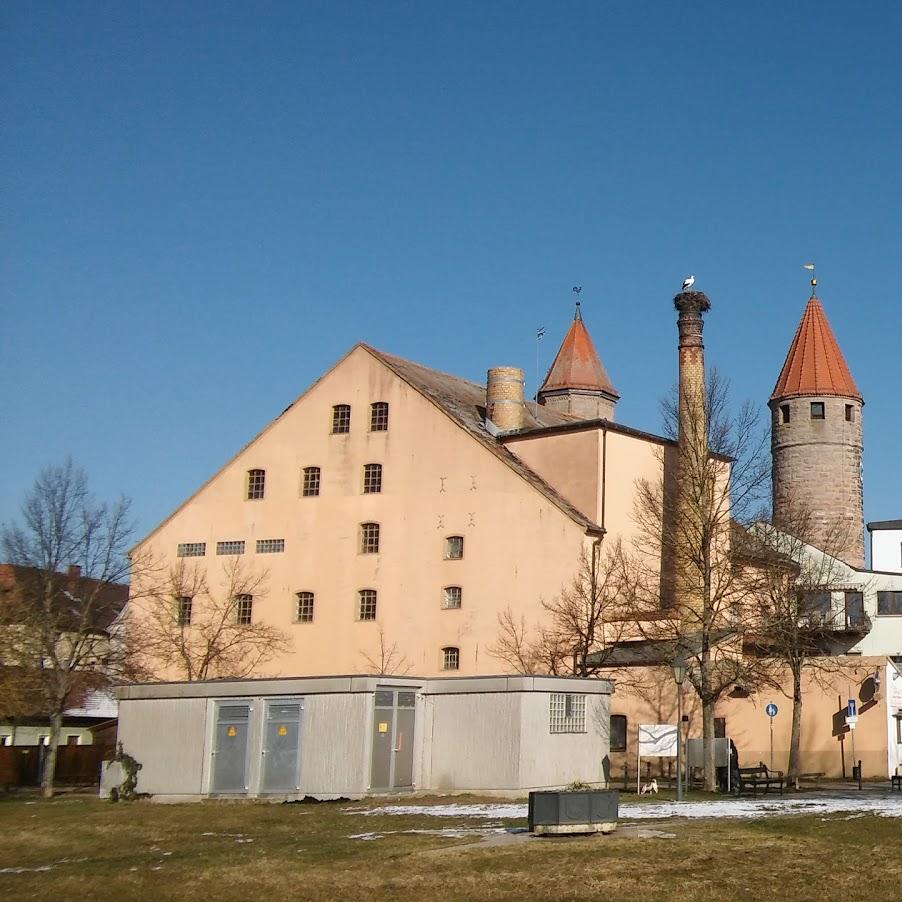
(649, 788)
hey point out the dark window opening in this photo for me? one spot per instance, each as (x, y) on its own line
(818, 411)
(341, 418)
(618, 732)
(850, 413)
(379, 416)
(784, 413)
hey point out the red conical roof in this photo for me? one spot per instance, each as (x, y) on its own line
(577, 364)
(815, 365)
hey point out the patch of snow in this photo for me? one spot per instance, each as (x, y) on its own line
(39, 870)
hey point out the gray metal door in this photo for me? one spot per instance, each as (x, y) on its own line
(282, 746)
(394, 723)
(230, 747)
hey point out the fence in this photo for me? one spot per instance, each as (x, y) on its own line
(76, 765)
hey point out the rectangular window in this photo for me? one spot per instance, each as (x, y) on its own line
(817, 410)
(341, 419)
(183, 610)
(372, 479)
(256, 483)
(379, 416)
(567, 713)
(454, 548)
(192, 549)
(451, 658)
(889, 603)
(784, 413)
(855, 609)
(310, 487)
(850, 413)
(270, 546)
(618, 732)
(366, 604)
(452, 597)
(230, 547)
(244, 609)
(720, 728)
(369, 538)
(304, 611)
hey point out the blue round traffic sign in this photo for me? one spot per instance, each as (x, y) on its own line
(771, 709)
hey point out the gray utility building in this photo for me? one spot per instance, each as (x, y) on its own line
(354, 735)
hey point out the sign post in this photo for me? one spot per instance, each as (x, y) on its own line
(772, 710)
(851, 723)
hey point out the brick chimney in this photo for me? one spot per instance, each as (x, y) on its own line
(504, 403)
(74, 571)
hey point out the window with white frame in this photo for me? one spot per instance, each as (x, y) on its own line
(232, 546)
(304, 609)
(183, 610)
(451, 658)
(341, 419)
(244, 609)
(192, 549)
(270, 546)
(366, 604)
(379, 416)
(310, 485)
(372, 479)
(454, 548)
(567, 713)
(256, 484)
(369, 538)
(452, 597)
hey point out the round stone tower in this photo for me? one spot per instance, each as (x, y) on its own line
(816, 441)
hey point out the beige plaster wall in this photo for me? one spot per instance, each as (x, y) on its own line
(437, 481)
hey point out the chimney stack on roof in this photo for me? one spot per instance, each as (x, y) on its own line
(74, 571)
(504, 402)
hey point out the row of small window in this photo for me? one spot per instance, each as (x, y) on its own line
(311, 479)
(234, 546)
(818, 412)
(341, 417)
(889, 602)
(452, 599)
(370, 537)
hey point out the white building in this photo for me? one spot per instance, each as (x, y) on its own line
(886, 546)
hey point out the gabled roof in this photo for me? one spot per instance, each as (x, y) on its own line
(815, 364)
(577, 364)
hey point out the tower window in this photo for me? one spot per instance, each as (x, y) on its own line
(379, 416)
(244, 608)
(372, 479)
(451, 658)
(454, 548)
(369, 538)
(850, 413)
(366, 604)
(784, 413)
(310, 487)
(341, 418)
(817, 410)
(256, 482)
(304, 610)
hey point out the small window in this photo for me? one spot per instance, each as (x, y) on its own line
(244, 609)
(231, 547)
(73, 739)
(369, 538)
(454, 548)
(183, 610)
(855, 615)
(850, 413)
(379, 417)
(310, 486)
(889, 603)
(618, 732)
(372, 479)
(817, 410)
(451, 658)
(784, 413)
(341, 418)
(567, 713)
(192, 549)
(366, 604)
(43, 739)
(452, 597)
(270, 546)
(720, 728)
(256, 484)
(304, 610)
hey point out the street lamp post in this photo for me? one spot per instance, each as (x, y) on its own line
(679, 674)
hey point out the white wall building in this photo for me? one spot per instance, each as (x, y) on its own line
(886, 545)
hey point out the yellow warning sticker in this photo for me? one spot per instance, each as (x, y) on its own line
(232, 731)
(283, 730)
(383, 727)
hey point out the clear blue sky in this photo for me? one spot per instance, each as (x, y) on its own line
(206, 204)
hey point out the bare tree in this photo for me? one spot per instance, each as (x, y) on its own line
(580, 626)
(61, 628)
(694, 591)
(387, 660)
(197, 631)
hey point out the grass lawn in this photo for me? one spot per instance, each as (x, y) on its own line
(233, 851)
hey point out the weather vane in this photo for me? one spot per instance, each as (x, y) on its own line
(577, 290)
(810, 268)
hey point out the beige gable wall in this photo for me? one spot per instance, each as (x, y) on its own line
(519, 546)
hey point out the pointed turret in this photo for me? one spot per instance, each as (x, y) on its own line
(577, 382)
(816, 440)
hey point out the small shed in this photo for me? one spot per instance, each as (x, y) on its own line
(355, 735)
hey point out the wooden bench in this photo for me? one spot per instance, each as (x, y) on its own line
(896, 781)
(753, 778)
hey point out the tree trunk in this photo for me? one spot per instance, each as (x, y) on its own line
(796, 738)
(56, 727)
(708, 733)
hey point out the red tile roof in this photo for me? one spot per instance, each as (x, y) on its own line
(815, 365)
(578, 365)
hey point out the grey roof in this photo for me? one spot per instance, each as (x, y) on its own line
(885, 524)
(464, 402)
